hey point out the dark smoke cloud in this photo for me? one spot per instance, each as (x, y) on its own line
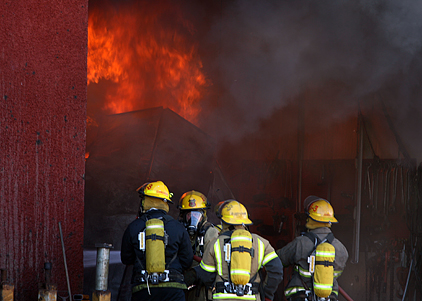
(263, 55)
(267, 53)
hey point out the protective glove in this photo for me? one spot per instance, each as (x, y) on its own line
(190, 277)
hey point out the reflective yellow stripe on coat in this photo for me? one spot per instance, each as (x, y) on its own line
(208, 268)
(293, 290)
(261, 251)
(269, 257)
(218, 258)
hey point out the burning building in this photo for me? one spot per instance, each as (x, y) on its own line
(266, 102)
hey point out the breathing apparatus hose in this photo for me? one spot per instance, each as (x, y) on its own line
(197, 258)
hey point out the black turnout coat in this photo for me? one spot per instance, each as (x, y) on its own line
(178, 256)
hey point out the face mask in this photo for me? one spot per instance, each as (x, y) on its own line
(193, 218)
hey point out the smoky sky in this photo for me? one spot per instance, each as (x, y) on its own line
(267, 53)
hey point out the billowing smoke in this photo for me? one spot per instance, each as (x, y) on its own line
(267, 53)
(261, 56)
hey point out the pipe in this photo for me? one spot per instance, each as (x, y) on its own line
(356, 238)
(47, 270)
(103, 260)
(344, 294)
(300, 148)
(47, 291)
(410, 271)
(65, 263)
(121, 283)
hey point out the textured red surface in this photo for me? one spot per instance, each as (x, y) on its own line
(43, 97)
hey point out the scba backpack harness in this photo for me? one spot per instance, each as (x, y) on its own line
(199, 242)
(321, 265)
(238, 254)
(152, 242)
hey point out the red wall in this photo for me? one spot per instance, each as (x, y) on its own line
(43, 96)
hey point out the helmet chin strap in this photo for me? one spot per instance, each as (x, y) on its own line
(311, 224)
(141, 207)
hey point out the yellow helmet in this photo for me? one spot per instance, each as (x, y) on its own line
(321, 211)
(156, 190)
(217, 208)
(192, 200)
(234, 213)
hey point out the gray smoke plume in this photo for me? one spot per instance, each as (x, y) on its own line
(269, 52)
(264, 55)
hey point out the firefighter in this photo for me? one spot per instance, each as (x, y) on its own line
(193, 207)
(237, 255)
(157, 246)
(320, 215)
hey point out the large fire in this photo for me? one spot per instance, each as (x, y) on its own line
(148, 59)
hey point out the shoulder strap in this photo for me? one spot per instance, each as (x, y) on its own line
(228, 233)
(330, 237)
(143, 217)
(313, 237)
(167, 218)
(204, 228)
(207, 225)
(316, 240)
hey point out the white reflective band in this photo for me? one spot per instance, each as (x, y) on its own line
(208, 268)
(155, 227)
(269, 257)
(241, 238)
(261, 250)
(323, 286)
(240, 272)
(141, 237)
(227, 252)
(217, 252)
(325, 253)
(302, 272)
(232, 296)
(293, 290)
(311, 261)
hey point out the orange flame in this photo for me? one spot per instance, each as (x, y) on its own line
(147, 60)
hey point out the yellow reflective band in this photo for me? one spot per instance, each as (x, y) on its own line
(240, 272)
(269, 257)
(155, 227)
(232, 296)
(337, 273)
(208, 268)
(217, 252)
(241, 238)
(293, 290)
(323, 286)
(261, 250)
